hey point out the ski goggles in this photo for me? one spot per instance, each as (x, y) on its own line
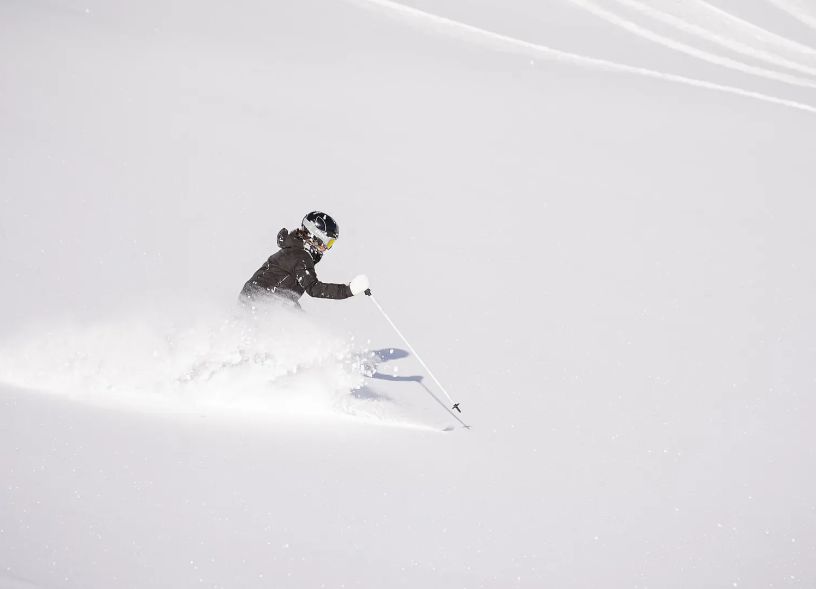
(317, 242)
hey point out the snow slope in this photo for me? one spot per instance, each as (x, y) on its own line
(593, 218)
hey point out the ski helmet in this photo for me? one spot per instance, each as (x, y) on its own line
(321, 227)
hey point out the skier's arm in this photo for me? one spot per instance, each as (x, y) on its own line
(307, 279)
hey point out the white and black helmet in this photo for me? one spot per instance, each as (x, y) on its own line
(321, 227)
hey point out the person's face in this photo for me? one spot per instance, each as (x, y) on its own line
(324, 247)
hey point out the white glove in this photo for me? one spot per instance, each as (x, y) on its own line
(359, 284)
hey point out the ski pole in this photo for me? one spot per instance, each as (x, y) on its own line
(413, 351)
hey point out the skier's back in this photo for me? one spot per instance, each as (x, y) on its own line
(290, 272)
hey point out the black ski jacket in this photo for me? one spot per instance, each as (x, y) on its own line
(291, 272)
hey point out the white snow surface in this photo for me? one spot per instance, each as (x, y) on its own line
(593, 219)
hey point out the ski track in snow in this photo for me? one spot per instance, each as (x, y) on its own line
(506, 42)
(798, 10)
(9, 581)
(736, 25)
(687, 27)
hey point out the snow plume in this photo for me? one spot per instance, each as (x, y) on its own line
(271, 360)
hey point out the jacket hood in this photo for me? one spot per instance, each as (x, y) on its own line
(293, 240)
(288, 240)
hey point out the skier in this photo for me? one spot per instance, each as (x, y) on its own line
(290, 272)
